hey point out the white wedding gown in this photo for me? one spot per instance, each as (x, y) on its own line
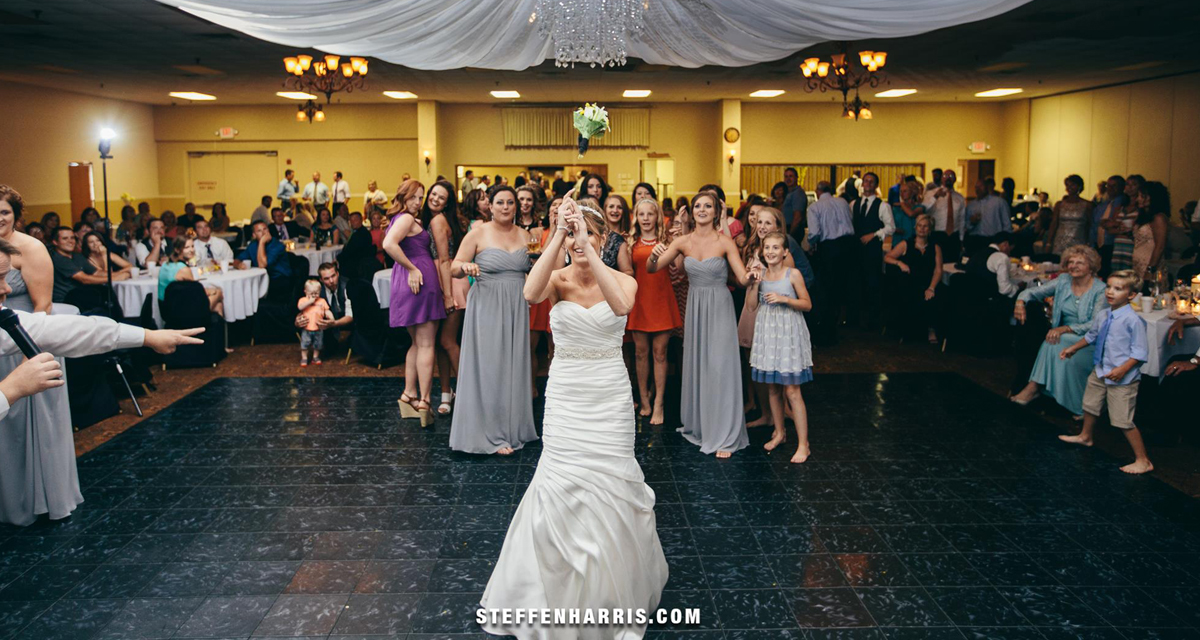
(584, 534)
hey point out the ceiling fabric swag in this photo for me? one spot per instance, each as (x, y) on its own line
(498, 34)
(552, 128)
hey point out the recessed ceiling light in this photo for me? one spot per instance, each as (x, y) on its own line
(505, 94)
(996, 93)
(636, 93)
(400, 95)
(1004, 66)
(895, 93)
(767, 93)
(191, 95)
(295, 95)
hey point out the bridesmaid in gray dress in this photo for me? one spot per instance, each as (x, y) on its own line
(494, 406)
(37, 447)
(711, 407)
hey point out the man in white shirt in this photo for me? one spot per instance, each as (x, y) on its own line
(948, 209)
(316, 191)
(831, 234)
(341, 191)
(873, 222)
(262, 211)
(154, 249)
(333, 289)
(209, 248)
(995, 260)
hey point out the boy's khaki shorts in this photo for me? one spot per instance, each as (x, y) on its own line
(1120, 398)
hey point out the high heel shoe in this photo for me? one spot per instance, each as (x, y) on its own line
(1025, 402)
(423, 413)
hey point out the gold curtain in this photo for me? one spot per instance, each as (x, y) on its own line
(552, 128)
(887, 172)
(759, 178)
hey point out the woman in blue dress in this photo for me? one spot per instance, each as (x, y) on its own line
(1078, 296)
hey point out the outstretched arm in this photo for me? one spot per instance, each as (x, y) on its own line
(664, 254)
(743, 275)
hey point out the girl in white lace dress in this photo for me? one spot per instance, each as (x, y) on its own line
(781, 356)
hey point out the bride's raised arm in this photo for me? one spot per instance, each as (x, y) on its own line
(537, 283)
(619, 289)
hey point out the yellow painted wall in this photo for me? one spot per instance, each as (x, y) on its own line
(364, 142)
(472, 134)
(937, 134)
(44, 129)
(1151, 128)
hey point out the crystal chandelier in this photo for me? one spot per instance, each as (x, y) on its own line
(589, 31)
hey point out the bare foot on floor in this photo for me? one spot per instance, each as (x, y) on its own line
(645, 410)
(505, 451)
(761, 422)
(657, 417)
(801, 455)
(721, 455)
(1136, 467)
(1087, 442)
(776, 440)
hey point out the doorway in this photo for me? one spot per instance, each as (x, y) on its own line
(659, 172)
(972, 171)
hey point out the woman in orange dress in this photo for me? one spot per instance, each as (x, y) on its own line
(655, 312)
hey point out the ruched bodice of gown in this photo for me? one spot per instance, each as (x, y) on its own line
(584, 534)
(709, 272)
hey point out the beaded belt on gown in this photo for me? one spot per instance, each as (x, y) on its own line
(586, 353)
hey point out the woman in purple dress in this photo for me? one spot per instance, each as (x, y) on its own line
(416, 299)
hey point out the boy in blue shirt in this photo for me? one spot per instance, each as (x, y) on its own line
(1120, 336)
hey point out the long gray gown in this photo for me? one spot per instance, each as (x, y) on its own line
(711, 407)
(494, 405)
(37, 447)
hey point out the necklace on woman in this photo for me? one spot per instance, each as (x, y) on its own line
(647, 243)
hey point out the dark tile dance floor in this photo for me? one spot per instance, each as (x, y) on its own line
(930, 509)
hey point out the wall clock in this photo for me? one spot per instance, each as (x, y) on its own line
(732, 135)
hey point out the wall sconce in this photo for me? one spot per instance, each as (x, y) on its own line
(732, 153)
(428, 160)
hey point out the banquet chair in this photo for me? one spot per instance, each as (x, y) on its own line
(372, 338)
(185, 306)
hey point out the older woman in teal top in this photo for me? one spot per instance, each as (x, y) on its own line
(1078, 298)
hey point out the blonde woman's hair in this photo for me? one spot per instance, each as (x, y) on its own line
(753, 247)
(660, 223)
(1081, 250)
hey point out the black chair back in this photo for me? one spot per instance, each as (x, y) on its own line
(185, 305)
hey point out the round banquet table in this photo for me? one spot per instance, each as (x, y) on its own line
(317, 257)
(1158, 323)
(243, 288)
(383, 287)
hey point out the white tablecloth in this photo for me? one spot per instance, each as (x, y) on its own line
(383, 286)
(243, 289)
(317, 257)
(1015, 274)
(1157, 325)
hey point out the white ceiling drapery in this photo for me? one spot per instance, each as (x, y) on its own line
(498, 34)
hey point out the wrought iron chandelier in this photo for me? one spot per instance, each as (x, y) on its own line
(310, 112)
(329, 75)
(589, 31)
(838, 75)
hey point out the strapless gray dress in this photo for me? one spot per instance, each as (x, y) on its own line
(494, 405)
(37, 446)
(711, 407)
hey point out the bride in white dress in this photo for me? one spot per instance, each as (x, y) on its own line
(584, 535)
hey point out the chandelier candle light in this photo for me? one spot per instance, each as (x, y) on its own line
(837, 75)
(590, 31)
(328, 76)
(591, 121)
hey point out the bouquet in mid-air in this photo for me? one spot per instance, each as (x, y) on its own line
(591, 121)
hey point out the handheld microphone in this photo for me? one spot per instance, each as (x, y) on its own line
(12, 324)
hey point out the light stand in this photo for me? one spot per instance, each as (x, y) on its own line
(106, 155)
